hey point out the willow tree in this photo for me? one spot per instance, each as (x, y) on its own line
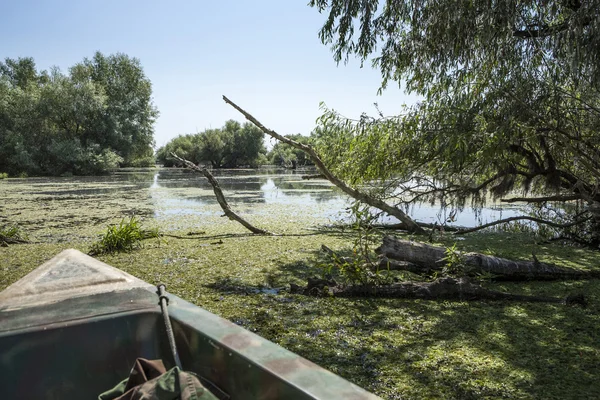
(128, 123)
(510, 109)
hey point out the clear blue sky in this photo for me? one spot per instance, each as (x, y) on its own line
(265, 55)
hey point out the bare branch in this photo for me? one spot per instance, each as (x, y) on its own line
(542, 31)
(526, 218)
(433, 227)
(542, 199)
(221, 197)
(312, 154)
(545, 30)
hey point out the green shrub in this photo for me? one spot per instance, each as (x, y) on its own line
(361, 268)
(123, 237)
(3, 175)
(99, 161)
(143, 162)
(11, 235)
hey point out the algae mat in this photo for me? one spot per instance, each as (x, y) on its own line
(394, 348)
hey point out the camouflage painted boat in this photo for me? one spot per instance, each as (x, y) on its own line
(73, 328)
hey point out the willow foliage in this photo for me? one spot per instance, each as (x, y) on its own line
(447, 43)
(510, 99)
(94, 118)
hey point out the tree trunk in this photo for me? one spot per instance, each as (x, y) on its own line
(441, 289)
(431, 258)
(410, 224)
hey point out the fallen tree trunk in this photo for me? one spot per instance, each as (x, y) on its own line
(221, 197)
(383, 263)
(411, 225)
(441, 289)
(432, 258)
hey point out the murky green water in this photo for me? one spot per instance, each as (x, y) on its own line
(255, 190)
(179, 198)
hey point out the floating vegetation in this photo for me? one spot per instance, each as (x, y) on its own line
(123, 237)
(415, 349)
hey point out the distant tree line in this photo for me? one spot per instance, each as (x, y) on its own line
(98, 116)
(285, 155)
(233, 145)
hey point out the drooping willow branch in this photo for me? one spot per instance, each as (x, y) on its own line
(542, 199)
(221, 197)
(411, 225)
(527, 218)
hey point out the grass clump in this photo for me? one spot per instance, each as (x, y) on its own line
(3, 175)
(12, 235)
(125, 236)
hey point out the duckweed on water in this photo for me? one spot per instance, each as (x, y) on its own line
(395, 348)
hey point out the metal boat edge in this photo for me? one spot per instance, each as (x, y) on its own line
(77, 304)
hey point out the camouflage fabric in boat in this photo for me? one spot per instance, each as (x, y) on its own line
(149, 380)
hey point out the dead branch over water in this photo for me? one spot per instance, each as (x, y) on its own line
(411, 225)
(221, 197)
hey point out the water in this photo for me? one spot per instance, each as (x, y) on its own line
(253, 192)
(175, 197)
(266, 191)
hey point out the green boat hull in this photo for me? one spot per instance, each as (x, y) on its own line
(73, 328)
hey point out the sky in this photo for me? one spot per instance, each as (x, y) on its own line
(265, 55)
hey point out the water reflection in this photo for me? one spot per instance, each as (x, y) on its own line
(467, 217)
(275, 193)
(269, 191)
(277, 190)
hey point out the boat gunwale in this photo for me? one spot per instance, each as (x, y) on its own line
(77, 321)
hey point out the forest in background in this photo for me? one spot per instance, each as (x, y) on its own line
(96, 117)
(233, 145)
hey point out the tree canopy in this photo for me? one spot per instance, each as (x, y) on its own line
(287, 156)
(510, 102)
(231, 146)
(98, 116)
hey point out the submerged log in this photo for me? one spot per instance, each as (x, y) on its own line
(441, 289)
(313, 176)
(432, 258)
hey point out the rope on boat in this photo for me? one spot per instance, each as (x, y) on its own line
(164, 303)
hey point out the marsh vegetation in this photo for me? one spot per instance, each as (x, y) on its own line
(396, 348)
(505, 140)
